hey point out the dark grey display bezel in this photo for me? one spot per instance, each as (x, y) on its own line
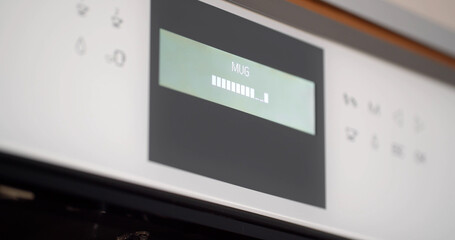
(224, 144)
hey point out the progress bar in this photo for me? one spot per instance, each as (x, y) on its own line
(237, 88)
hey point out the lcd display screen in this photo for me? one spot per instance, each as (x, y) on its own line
(206, 72)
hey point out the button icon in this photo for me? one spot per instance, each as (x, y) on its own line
(116, 20)
(398, 150)
(118, 57)
(419, 126)
(81, 46)
(349, 100)
(420, 157)
(374, 142)
(82, 9)
(351, 134)
(398, 117)
(374, 109)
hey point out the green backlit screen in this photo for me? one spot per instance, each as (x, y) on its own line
(217, 76)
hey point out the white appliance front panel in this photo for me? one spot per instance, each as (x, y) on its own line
(74, 80)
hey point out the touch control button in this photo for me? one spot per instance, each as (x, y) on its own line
(116, 20)
(398, 150)
(420, 157)
(398, 117)
(81, 46)
(351, 134)
(118, 57)
(419, 126)
(82, 9)
(349, 100)
(374, 109)
(374, 142)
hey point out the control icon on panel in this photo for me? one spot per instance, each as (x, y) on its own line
(398, 150)
(420, 157)
(81, 46)
(82, 9)
(118, 57)
(349, 100)
(351, 134)
(398, 118)
(374, 109)
(374, 142)
(419, 126)
(116, 20)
